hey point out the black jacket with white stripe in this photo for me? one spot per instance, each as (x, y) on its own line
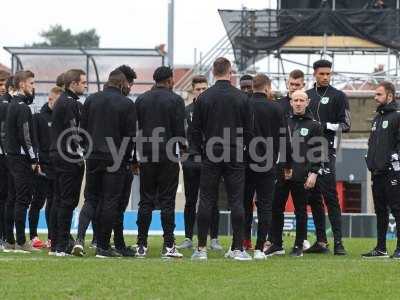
(4, 101)
(18, 129)
(330, 107)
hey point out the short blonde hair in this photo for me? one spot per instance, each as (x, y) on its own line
(300, 94)
(56, 90)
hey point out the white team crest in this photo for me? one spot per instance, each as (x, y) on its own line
(373, 127)
(304, 131)
(324, 100)
(385, 124)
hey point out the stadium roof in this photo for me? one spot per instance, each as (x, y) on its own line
(48, 63)
(84, 51)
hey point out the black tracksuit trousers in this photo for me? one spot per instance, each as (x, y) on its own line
(299, 197)
(248, 206)
(262, 184)
(68, 179)
(3, 194)
(386, 194)
(326, 186)
(233, 174)
(104, 192)
(119, 240)
(158, 180)
(9, 209)
(42, 192)
(191, 179)
(22, 174)
(90, 210)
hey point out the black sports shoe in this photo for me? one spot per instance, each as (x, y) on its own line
(297, 251)
(396, 254)
(339, 249)
(109, 253)
(376, 253)
(126, 251)
(317, 248)
(70, 245)
(275, 250)
(93, 244)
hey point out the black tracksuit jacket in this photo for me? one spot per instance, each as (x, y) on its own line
(220, 107)
(160, 108)
(304, 132)
(329, 105)
(19, 130)
(4, 101)
(384, 139)
(109, 115)
(42, 123)
(65, 116)
(268, 121)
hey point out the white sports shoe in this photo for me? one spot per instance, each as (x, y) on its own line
(259, 255)
(199, 255)
(171, 253)
(239, 255)
(62, 254)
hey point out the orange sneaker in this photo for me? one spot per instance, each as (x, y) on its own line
(37, 243)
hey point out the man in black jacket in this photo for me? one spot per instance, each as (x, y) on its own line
(160, 115)
(307, 142)
(10, 189)
(295, 82)
(264, 150)
(246, 86)
(221, 132)
(191, 178)
(44, 180)
(21, 156)
(330, 107)
(109, 153)
(384, 164)
(66, 157)
(4, 174)
(88, 211)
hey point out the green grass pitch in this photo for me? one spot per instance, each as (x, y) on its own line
(37, 276)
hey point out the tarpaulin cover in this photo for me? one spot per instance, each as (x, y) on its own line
(339, 4)
(254, 33)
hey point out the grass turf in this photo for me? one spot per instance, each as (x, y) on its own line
(37, 276)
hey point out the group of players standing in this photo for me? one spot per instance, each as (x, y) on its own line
(271, 170)
(261, 148)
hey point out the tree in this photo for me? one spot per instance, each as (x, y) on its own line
(57, 36)
(88, 39)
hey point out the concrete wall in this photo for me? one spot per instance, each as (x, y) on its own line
(362, 111)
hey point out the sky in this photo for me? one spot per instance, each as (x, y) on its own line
(122, 23)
